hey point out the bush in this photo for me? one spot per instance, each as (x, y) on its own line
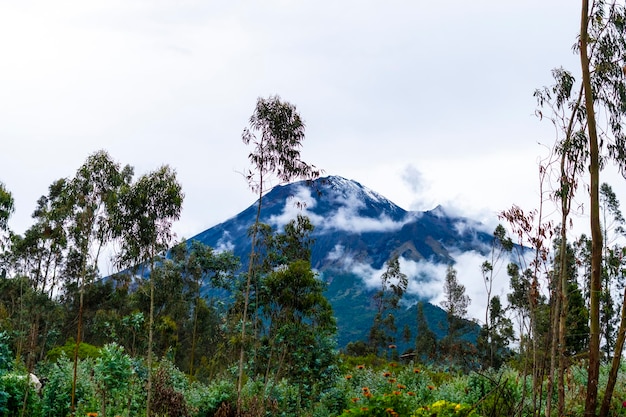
(13, 389)
(443, 408)
(56, 396)
(85, 351)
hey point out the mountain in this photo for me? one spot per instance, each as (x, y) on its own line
(356, 232)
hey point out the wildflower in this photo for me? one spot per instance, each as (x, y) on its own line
(410, 393)
(457, 407)
(397, 393)
(392, 346)
(400, 386)
(355, 400)
(387, 374)
(389, 410)
(348, 376)
(364, 408)
(431, 387)
(393, 364)
(92, 414)
(365, 389)
(360, 367)
(391, 380)
(368, 394)
(416, 370)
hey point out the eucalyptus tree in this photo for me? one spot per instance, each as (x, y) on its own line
(199, 266)
(93, 192)
(455, 305)
(275, 132)
(7, 206)
(602, 47)
(492, 330)
(393, 286)
(299, 326)
(143, 223)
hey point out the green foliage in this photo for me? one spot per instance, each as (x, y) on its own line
(393, 287)
(14, 386)
(113, 374)
(85, 351)
(208, 399)
(443, 408)
(6, 357)
(56, 395)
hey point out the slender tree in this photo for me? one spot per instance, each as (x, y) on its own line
(6, 210)
(393, 285)
(148, 208)
(275, 133)
(455, 304)
(93, 192)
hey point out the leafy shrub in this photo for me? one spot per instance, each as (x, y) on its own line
(113, 375)
(56, 395)
(207, 400)
(85, 350)
(168, 400)
(13, 388)
(443, 408)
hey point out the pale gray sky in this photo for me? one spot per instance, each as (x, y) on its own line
(425, 102)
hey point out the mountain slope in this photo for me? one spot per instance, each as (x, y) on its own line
(356, 231)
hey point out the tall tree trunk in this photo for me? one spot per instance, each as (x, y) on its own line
(247, 297)
(150, 338)
(591, 399)
(615, 364)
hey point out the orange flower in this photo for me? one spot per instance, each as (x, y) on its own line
(389, 410)
(387, 374)
(400, 386)
(92, 414)
(431, 387)
(416, 370)
(393, 364)
(392, 346)
(411, 393)
(364, 408)
(360, 367)
(397, 393)
(368, 394)
(355, 400)
(391, 380)
(365, 389)
(348, 376)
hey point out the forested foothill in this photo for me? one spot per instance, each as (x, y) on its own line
(183, 329)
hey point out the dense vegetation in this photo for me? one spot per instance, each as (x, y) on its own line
(184, 330)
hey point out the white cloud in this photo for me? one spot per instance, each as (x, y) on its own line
(336, 253)
(345, 218)
(225, 244)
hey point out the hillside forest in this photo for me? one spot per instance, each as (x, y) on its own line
(183, 329)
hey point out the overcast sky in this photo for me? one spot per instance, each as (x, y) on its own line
(425, 102)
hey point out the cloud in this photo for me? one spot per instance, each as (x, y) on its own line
(225, 243)
(414, 179)
(336, 253)
(345, 218)
(426, 278)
